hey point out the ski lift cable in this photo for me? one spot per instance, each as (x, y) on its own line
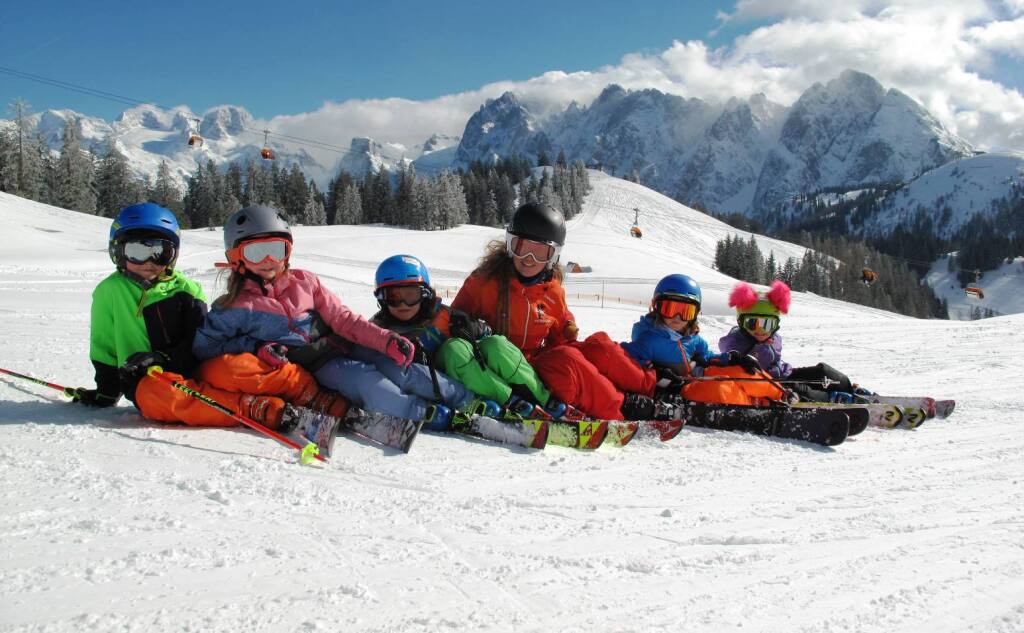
(110, 96)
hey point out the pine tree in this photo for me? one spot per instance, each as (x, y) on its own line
(21, 162)
(313, 214)
(74, 174)
(165, 192)
(116, 186)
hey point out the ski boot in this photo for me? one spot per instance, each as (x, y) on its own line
(319, 428)
(438, 418)
(519, 407)
(637, 406)
(840, 397)
(481, 406)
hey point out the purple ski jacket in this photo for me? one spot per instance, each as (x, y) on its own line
(769, 353)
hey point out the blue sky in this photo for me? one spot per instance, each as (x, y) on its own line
(286, 58)
(328, 70)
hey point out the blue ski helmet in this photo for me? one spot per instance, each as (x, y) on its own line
(678, 287)
(401, 270)
(141, 218)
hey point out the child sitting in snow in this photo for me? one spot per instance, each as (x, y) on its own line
(146, 313)
(758, 318)
(287, 317)
(451, 342)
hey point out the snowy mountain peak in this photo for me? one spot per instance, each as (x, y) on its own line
(225, 121)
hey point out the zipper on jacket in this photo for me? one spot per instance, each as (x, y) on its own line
(526, 321)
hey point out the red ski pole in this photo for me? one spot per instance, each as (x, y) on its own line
(306, 454)
(67, 391)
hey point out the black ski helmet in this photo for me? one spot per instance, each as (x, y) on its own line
(538, 222)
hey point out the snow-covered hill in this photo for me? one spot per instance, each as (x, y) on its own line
(1002, 289)
(113, 523)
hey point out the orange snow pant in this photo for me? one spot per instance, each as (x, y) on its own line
(226, 379)
(746, 392)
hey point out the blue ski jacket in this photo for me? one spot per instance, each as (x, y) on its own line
(655, 344)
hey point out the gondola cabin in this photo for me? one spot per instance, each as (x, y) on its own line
(267, 153)
(194, 140)
(868, 276)
(974, 291)
(636, 232)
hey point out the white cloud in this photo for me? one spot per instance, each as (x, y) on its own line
(938, 56)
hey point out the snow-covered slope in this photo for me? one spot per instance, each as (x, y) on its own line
(113, 523)
(966, 187)
(1003, 289)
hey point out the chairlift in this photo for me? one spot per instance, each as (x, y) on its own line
(194, 140)
(974, 291)
(266, 152)
(635, 229)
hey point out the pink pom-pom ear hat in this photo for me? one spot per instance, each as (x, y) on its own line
(746, 300)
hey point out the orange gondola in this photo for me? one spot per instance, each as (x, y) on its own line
(194, 140)
(266, 152)
(868, 276)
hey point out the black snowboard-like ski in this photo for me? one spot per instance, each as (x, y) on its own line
(828, 427)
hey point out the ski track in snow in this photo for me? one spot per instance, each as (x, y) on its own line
(114, 523)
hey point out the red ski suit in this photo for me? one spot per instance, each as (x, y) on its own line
(537, 320)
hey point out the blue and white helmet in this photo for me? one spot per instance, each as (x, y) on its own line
(402, 270)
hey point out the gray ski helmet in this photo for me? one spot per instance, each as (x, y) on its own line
(252, 221)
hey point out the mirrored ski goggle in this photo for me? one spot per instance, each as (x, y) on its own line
(669, 308)
(523, 248)
(760, 323)
(278, 249)
(395, 296)
(156, 250)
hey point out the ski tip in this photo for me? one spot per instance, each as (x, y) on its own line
(407, 446)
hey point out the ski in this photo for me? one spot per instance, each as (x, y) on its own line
(825, 426)
(581, 434)
(663, 430)
(621, 432)
(526, 433)
(386, 430)
(862, 415)
(932, 408)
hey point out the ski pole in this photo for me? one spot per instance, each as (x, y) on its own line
(824, 382)
(306, 454)
(67, 391)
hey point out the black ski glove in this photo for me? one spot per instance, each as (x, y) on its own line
(134, 369)
(92, 397)
(746, 361)
(461, 326)
(669, 380)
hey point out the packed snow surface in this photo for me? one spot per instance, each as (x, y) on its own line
(110, 522)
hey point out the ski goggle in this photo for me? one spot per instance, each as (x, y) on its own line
(669, 308)
(523, 248)
(277, 249)
(760, 323)
(155, 249)
(396, 296)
